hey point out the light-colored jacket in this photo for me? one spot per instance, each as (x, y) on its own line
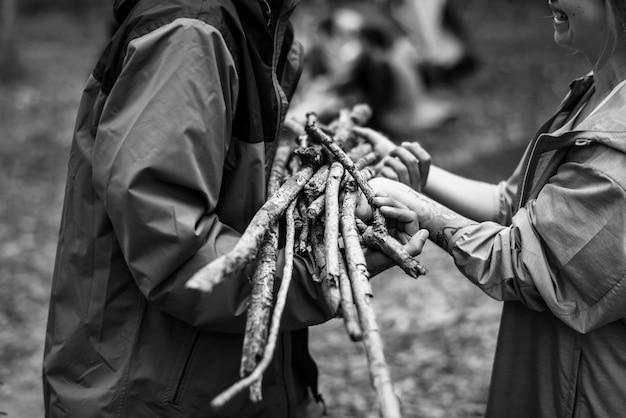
(169, 162)
(560, 266)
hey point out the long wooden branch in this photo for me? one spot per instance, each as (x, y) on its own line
(362, 292)
(331, 224)
(258, 314)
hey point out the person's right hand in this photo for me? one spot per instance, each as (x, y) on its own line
(408, 163)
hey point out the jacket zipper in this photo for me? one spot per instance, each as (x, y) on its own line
(580, 142)
(531, 156)
(276, 84)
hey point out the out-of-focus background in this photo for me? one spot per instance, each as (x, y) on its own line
(471, 80)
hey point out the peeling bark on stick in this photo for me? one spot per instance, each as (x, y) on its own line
(246, 248)
(330, 284)
(302, 245)
(257, 374)
(257, 320)
(394, 250)
(372, 340)
(317, 184)
(355, 258)
(316, 208)
(331, 224)
(261, 299)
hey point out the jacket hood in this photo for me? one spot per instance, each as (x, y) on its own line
(122, 8)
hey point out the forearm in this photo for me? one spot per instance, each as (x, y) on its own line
(473, 199)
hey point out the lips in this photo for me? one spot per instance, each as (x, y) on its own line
(558, 15)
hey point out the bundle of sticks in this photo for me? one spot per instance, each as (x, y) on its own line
(317, 176)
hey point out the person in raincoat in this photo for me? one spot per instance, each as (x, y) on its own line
(169, 162)
(550, 241)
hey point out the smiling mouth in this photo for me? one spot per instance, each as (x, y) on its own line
(558, 15)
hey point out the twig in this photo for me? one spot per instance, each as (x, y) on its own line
(281, 299)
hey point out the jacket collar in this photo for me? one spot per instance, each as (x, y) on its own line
(608, 126)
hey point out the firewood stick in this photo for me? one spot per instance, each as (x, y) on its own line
(257, 320)
(329, 284)
(302, 245)
(279, 307)
(317, 184)
(372, 340)
(331, 224)
(246, 248)
(393, 249)
(316, 207)
(261, 299)
(348, 308)
(355, 257)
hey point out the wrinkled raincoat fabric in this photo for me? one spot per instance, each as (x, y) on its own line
(560, 267)
(171, 152)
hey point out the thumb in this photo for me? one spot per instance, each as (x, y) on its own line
(416, 244)
(363, 209)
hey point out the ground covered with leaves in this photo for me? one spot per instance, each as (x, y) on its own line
(439, 332)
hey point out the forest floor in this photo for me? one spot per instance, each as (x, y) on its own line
(439, 331)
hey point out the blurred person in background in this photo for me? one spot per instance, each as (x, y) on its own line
(171, 153)
(550, 241)
(355, 57)
(441, 40)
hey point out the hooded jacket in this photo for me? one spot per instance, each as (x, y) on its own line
(169, 161)
(560, 267)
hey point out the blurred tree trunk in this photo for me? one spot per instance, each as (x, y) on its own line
(9, 67)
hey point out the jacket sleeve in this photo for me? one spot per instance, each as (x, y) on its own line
(564, 251)
(158, 165)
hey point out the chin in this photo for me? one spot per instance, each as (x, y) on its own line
(562, 41)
